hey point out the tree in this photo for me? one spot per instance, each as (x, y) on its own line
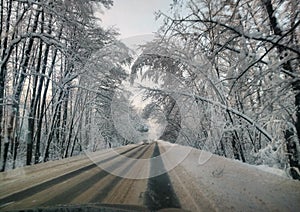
(244, 65)
(45, 47)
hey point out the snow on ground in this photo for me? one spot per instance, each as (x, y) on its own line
(272, 170)
(232, 185)
(205, 156)
(167, 144)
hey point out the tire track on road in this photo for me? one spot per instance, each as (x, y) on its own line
(105, 191)
(76, 190)
(47, 184)
(131, 190)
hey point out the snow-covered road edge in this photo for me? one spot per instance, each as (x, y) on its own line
(234, 186)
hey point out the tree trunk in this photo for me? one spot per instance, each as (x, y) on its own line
(64, 124)
(44, 97)
(292, 148)
(9, 136)
(32, 109)
(1, 83)
(19, 88)
(43, 106)
(3, 76)
(55, 123)
(236, 145)
(293, 153)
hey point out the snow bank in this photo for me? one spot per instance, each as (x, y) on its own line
(166, 143)
(231, 185)
(272, 170)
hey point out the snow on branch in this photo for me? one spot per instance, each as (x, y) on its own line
(218, 104)
(253, 36)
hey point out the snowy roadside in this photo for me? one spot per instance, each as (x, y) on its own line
(232, 185)
(265, 168)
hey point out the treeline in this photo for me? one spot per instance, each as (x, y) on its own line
(56, 79)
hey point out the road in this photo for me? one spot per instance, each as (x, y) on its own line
(97, 181)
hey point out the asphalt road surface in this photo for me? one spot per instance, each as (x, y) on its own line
(96, 182)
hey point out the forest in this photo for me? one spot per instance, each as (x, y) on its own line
(226, 77)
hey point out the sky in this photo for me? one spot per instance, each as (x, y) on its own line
(134, 17)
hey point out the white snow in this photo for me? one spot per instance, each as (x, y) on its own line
(272, 170)
(231, 185)
(167, 144)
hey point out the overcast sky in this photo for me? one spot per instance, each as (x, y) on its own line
(134, 17)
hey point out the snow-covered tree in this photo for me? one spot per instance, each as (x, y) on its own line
(46, 104)
(240, 61)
